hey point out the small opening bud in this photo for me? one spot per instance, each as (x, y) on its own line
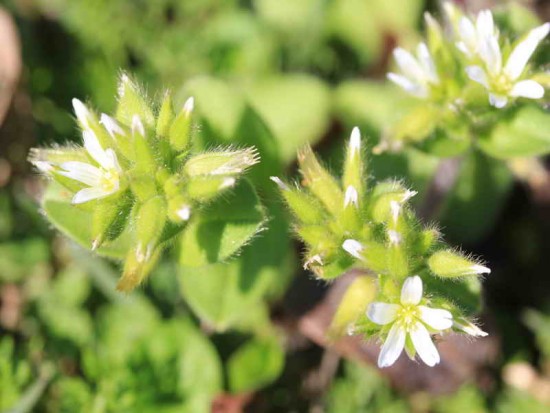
(355, 141)
(395, 208)
(480, 269)
(408, 195)
(351, 197)
(184, 213)
(353, 248)
(189, 105)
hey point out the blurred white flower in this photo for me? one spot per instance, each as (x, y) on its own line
(472, 36)
(503, 81)
(418, 75)
(409, 321)
(102, 180)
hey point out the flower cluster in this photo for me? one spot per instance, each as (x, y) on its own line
(345, 223)
(483, 53)
(137, 172)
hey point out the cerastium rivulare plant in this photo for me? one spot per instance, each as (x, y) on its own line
(136, 182)
(417, 286)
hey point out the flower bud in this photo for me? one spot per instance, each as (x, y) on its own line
(359, 294)
(120, 136)
(132, 102)
(319, 238)
(353, 166)
(143, 151)
(109, 219)
(150, 220)
(137, 266)
(221, 162)
(450, 264)
(304, 206)
(165, 117)
(319, 181)
(206, 188)
(180, 129)
(179, 209)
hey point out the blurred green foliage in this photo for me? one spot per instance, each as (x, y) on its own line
(274, 73)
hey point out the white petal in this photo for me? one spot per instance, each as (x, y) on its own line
(484, 24)
(468, 35)
(491, 55)
(88, 194)
(393, 346)
(82, 113)
(477, 74)
(408, 65)
(111, 125)
(427, 63)
(424, 345)
(437, 319)
(82, 172)
(94, 149)
(113, 160)
(353, 248)
(382, 313)
(527, 89)
(497, 101)
(522, 52)
(415, 89)
(411, 292)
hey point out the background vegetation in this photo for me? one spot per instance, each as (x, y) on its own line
(249, 334)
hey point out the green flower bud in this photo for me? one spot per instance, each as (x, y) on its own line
(150, 220)
(137, 267)
(206, 188)
(353, 305)
(165, 117)
(180, 129)
(221, 162)
(110, 218)
(319, 238)
(132, 102)
(450, 264)
(305, 207)
(353, 165)
(179, 209)
(319, 181)
(143, 149)
(144, 187)
(397, 260)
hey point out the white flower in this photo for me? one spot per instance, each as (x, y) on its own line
(409, 321)
(473, 36)
(503, 81)
(353, 248)
(102, 180)
(418, 75)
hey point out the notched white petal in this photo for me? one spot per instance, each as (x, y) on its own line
(411, 292)
(438, 319)
(393, 346)
(523, 51)
(424, 345)
(382, 313)
(527, 89)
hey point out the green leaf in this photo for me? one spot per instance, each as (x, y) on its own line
(221, 229)
(296, 109)
(74, 222)
(479, 192)
(374, 105)
(525, 133)
(256, 364)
